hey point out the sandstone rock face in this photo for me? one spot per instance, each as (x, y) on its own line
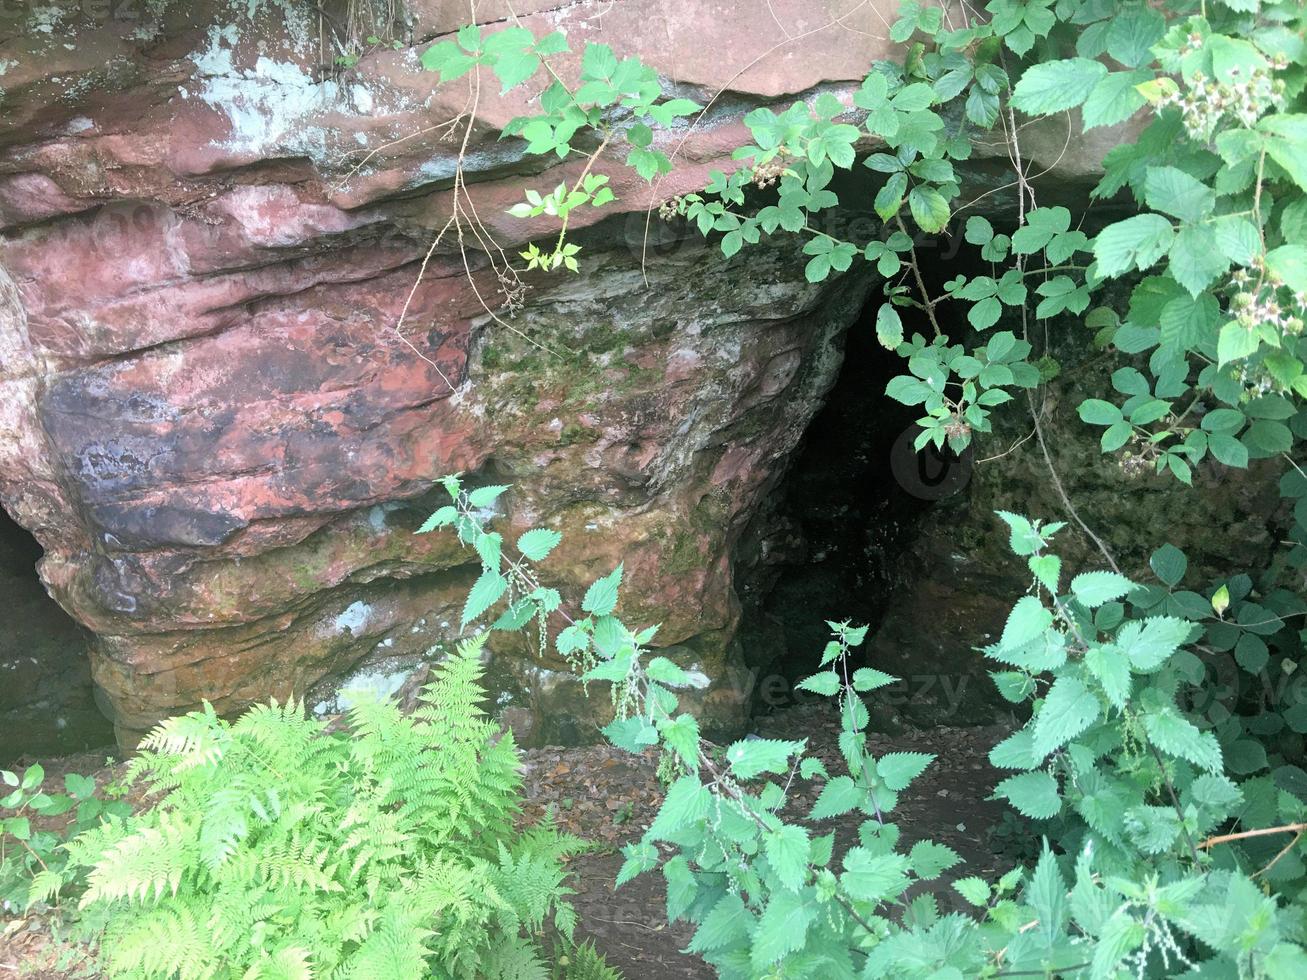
(213, 427)
(226, 392)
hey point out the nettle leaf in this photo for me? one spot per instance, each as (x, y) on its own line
(930, 860)
(871, 679)
(1092, 589)
(751, 756)
(872, 877)
(782, 928)
(1013, 685)
(485, 496)
(601, 598)
(837, 798)
(1056, 85)
(788, 850)
(441, 518)
(898, 769)
(1150, 643)
(687, 802)
(1028, 619)
(825, 683)
(681, 735)
(1032, 794)
(729, 922)
(538, 542)
(975, 890)
(1024, 539)
(1068, 709)
(1015, 752)
(1178, 736)
(1111, 669)
(487, 590)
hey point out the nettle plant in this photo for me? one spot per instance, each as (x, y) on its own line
(1180, 814)
(1139, 883)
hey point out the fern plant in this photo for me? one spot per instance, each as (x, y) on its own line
(279, 850)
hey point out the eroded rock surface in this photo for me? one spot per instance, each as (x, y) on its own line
(211, 424)
(215, 425)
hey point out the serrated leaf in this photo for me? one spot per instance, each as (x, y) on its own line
(442, 517)
(485, 592)
(1136, 242)
(1111, 668)
(782, 928)
(1028, 620)
(1092, 589)
(825, 683)
(687, 801)
(485, 496)
(898, 769)
(1056, 85)
(1032, 794)
(1150, 643)
(601, 598)
(1114, 99)
(974, 890)
(1176, 735)
(872, 877)
(538, 542)
(787, 850)
(750, 756)
(837, 798)
(930, 860)
(1068, 709)
(871, 679)
(929, 208)
(726, 924)
(681, 735)
(1174, 192)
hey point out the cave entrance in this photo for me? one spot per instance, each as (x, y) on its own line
(836, 540)
(47, 698)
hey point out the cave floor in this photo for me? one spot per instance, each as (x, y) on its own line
(610, 797)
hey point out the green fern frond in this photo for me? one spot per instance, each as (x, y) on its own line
(199, 738)
(275, 850)
(514, 958)
(147, 864)
(288, 963)
(583, 962)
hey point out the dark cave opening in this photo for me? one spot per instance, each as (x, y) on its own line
(835, 541)
(47, 698)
